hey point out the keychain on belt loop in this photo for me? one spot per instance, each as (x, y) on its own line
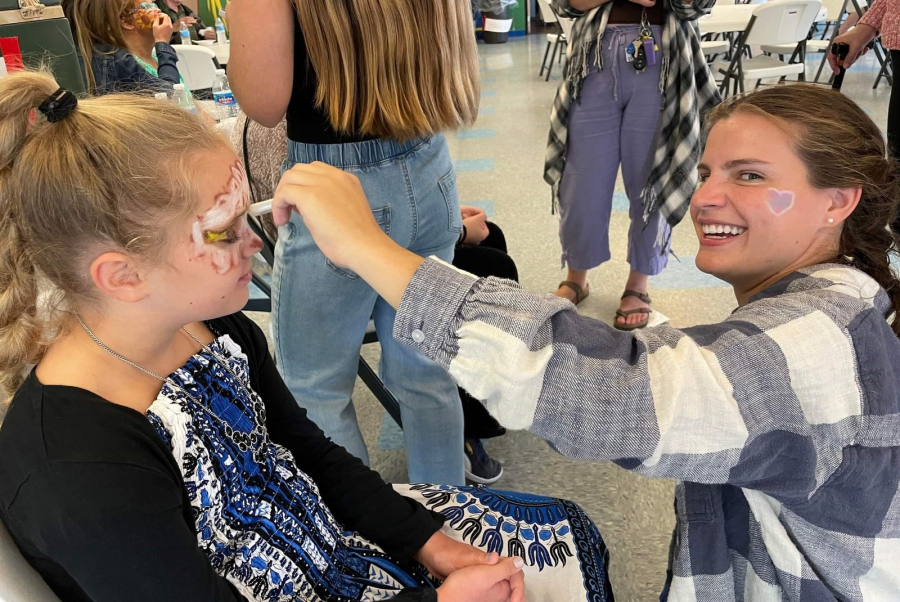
(641, 53)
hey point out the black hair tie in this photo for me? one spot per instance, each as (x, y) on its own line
(58, 105)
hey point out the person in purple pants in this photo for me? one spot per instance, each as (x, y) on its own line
(618, 105)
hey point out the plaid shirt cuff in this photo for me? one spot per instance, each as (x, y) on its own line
(429, 313)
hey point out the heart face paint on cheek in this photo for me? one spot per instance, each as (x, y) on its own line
(228, 206)
(780, 201)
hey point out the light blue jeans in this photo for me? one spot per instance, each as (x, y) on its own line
(320, 311)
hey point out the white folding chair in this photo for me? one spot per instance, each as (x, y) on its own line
(18, 581)
(831, 15)
(711, 48)
(197, 65)
(554, 40)
(776, 23)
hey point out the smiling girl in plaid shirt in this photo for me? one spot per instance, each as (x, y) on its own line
(782, 422)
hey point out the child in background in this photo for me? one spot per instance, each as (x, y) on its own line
(124, 46)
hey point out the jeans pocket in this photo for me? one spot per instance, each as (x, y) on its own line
(448, 189)
(383, 219)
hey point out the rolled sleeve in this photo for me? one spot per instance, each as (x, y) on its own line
(429, 313)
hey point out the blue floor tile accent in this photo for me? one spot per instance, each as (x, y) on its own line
(390, 437)
(474, 165)
(488, 80)
(486, 204)
(475, 134)
(684, 274)
(487, 110)
(488, 93)
(620, 202)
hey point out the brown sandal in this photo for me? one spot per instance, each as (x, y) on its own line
(580, 293)
(630, 312)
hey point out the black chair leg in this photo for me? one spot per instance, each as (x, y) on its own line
(376, 386)
(544, 62)
(552, 60)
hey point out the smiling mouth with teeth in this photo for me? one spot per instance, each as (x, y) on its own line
(722, 231)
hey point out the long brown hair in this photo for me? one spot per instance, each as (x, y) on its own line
(393, 68)
(98, 22)
(841, 148)
(113, 175)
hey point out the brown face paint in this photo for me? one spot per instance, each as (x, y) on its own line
(217, 234)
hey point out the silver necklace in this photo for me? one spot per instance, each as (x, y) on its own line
(244, 441)
(220, 361)
(164, 379)
(117, 355)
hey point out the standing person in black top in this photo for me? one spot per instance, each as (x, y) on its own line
(367, 86)
(481, 249)
(154, 453)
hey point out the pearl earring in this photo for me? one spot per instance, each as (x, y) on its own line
(830, 220)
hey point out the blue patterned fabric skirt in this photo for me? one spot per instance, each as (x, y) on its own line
(565, 557)
(264, 526)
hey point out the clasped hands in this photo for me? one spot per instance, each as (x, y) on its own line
(471, 574)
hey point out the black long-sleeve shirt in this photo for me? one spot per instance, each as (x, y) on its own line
(97, 504)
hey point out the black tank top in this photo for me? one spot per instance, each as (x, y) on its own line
(625, 12)
(305, 122)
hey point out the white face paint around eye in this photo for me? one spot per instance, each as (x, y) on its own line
(780, 201)
(216, 234)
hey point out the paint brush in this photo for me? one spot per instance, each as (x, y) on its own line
(261, 208)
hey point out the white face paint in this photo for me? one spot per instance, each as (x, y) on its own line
(780, 201)
(218, 232)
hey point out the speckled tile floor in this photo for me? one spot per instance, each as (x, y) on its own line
(499, 163)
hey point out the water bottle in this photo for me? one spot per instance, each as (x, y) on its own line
(220, 31)
(185, 34)
(183, 99)
(226, 105)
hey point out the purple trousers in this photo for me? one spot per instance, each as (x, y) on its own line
(616, 123)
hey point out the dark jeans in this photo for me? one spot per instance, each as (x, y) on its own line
(487, 259)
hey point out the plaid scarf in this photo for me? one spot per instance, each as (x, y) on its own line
(688, 90)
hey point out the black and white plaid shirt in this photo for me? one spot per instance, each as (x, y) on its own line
(782, 422)
(688, 89)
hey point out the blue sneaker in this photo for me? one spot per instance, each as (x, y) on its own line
(480, 467)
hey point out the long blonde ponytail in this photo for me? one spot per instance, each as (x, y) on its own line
(393, 68)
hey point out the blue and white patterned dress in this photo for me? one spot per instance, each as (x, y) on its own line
(260, 520)
(264, 527)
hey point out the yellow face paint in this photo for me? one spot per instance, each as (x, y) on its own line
(228, 235)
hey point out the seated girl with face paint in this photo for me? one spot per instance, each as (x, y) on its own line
(782, 422)
(154, 453)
